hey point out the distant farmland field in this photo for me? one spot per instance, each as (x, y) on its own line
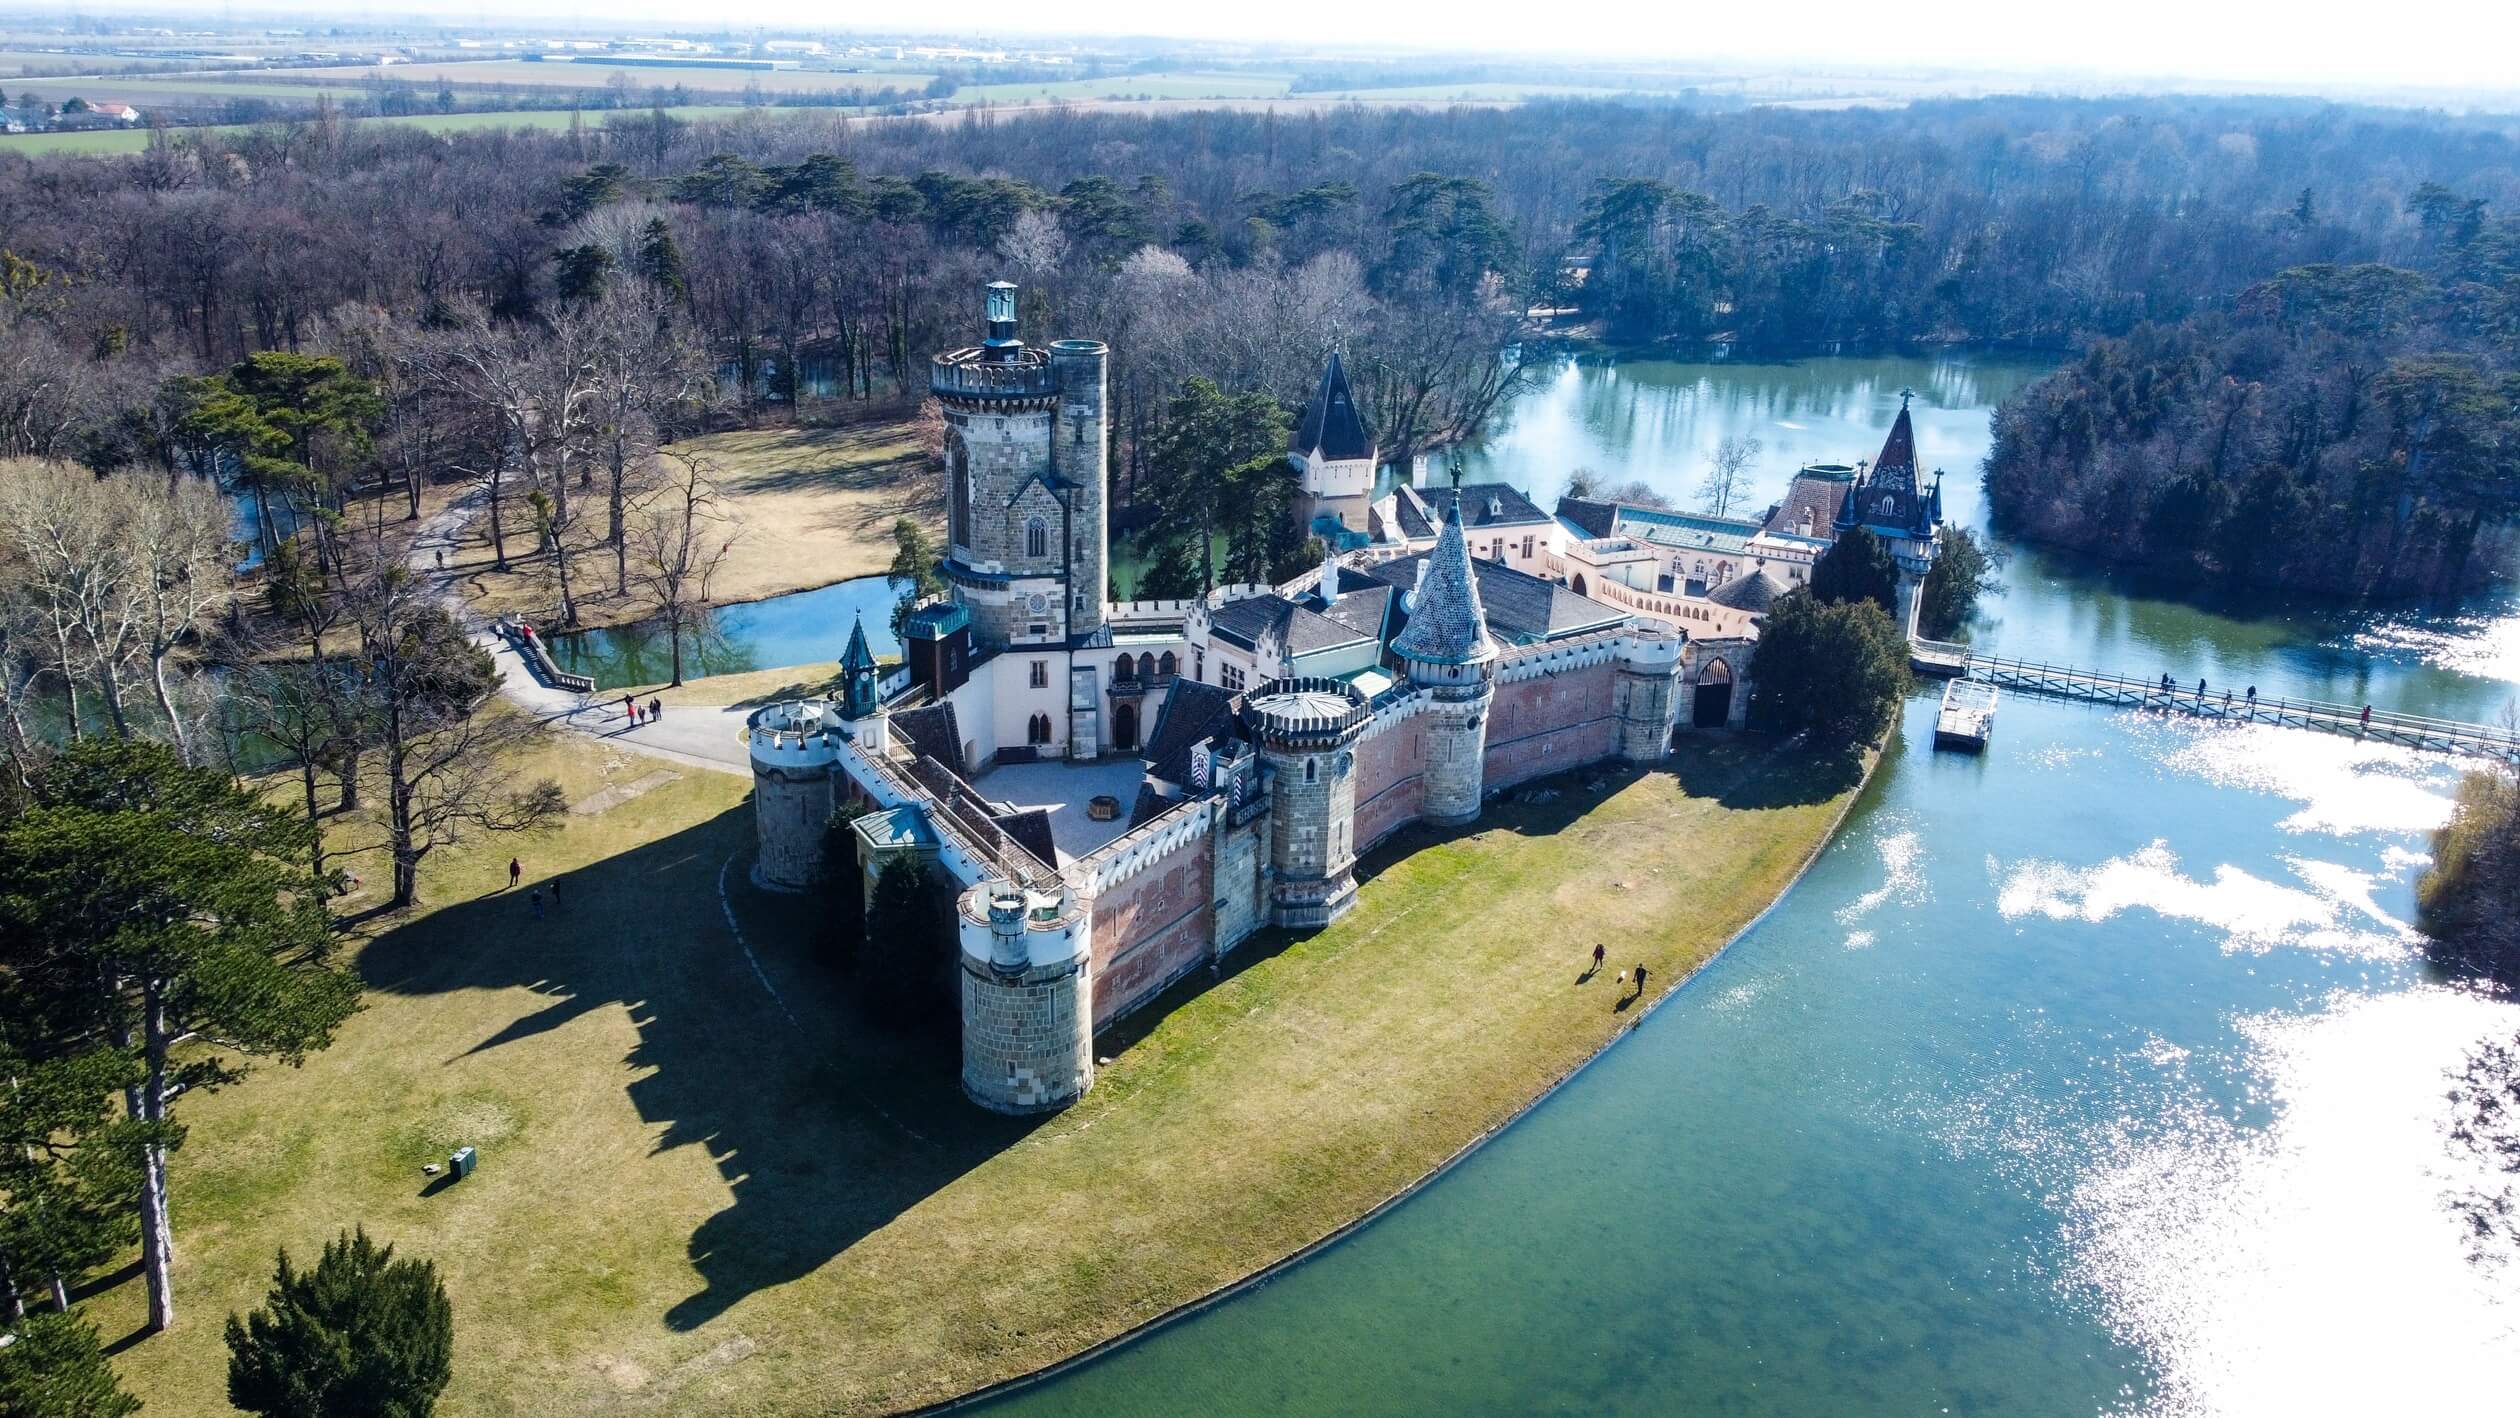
(137, 140)
(1186, 85)
(597, 74)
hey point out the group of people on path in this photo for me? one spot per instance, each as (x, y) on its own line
(631, 709)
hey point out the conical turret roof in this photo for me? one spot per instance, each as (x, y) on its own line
(1895, 469)
(1331, 424)
(1447, 625)
(857, 656)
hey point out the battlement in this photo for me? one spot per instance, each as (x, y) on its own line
(797, 734)
(977, 372)
(1305, 711)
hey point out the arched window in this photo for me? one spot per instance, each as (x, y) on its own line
(1312, 769)
(1038, 731)
(1036, 538)
(1168, 666)
(1146, 666)
(958, 484)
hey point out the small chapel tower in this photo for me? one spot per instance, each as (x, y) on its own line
(1449, 653)
(858, 676)
(1334, 454)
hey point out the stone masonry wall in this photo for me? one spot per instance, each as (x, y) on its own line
(1151, 927)
(1551, 723)
(1025, 1046)
(790, 812)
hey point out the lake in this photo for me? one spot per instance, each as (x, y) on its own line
(805, 627)
(2096, 1074)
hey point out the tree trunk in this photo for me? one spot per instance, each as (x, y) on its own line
(406, 851)
(673, 622)
(157, 1232)
(615, 530)
(166, 706)
(498, 531)
(349, 778)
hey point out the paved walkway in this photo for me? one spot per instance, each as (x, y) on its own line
(704, 738)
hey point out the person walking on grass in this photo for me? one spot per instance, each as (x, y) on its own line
(516, 872)
(1640, 980)
(1598, 953)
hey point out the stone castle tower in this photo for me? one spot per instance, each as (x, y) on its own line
(1307, 730)
(1449, 654)
(1334, 453)
(1027, 997)
(1891, 500)
(1025, 461)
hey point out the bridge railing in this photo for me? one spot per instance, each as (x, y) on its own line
(2228, 703)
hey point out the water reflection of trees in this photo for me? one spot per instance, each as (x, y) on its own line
(643, 653)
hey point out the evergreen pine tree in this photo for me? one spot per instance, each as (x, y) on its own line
(1857, 566)
(54, 1369)
(1834, 672)
(660, 259)
(362, 1335)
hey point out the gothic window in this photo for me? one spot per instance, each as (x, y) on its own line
(1312, 770)
(1146, 666)
(1036, 538)
(1167, 666)
(958, 483)
(1041, 674)
(1038, 731)
(1887, 507)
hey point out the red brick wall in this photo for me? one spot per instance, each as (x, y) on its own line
(1150, 928)
(1389, 792)
(1550, 724)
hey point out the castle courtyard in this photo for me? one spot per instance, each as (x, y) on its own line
(713, 1182)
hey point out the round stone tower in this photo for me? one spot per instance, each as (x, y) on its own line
(1307, 730)
(794, 748)
(1450, 655)
(1024, 465)
(1027, 997)
(1646, 695)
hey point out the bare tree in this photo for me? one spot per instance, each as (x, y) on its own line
(679, 538)
(177, 550)
(1728, 474)
(448, 748)
(645, 366)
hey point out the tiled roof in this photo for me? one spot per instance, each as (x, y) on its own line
(1816, 495)
(1895, 469)
(1482, 505)
(1521, 608)
(1364, 604)
(1331, 422)
(1192, 711)
(857, 656)
(1447, 625)
(932, 730)
(1753, 592)
(1593, 519)
(1030, 827)
(1683, 529)
(1301, 630)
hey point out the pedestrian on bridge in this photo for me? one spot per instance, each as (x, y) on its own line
(2200, 686)
(2366, 719)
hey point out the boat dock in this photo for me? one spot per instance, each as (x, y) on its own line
(1967, 719)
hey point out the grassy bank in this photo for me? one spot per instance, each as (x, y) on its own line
(710, 1190)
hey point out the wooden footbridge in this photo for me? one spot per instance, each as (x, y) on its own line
(1946, 660)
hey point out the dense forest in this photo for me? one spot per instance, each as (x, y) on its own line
(1240, 243)
(2345, 429)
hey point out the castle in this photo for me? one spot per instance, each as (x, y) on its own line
(1253, 742)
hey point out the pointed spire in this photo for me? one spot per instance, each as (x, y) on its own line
(857, 656)
(1332, 427)
(1895, 469)
(1447, 625)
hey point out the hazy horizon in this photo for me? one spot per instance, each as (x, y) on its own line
(2309, 47)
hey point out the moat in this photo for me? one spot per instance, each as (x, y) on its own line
(2098, 1074)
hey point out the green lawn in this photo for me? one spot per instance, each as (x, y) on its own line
(696, 1197)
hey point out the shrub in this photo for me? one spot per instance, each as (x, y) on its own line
(362, 1335)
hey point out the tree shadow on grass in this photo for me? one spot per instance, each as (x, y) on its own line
(825, 1123)
(1757, 771)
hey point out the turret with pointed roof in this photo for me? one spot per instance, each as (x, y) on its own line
(858, 675)
(1887, 497)
(1447, 625)
(1333, 454)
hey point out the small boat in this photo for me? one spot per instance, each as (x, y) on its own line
(1968, 715)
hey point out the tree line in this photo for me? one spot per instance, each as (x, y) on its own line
(2350, 429)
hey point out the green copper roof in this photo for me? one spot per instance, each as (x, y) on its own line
(857, 656)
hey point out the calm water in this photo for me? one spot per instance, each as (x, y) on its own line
(2095, 1075)
(804, 628)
